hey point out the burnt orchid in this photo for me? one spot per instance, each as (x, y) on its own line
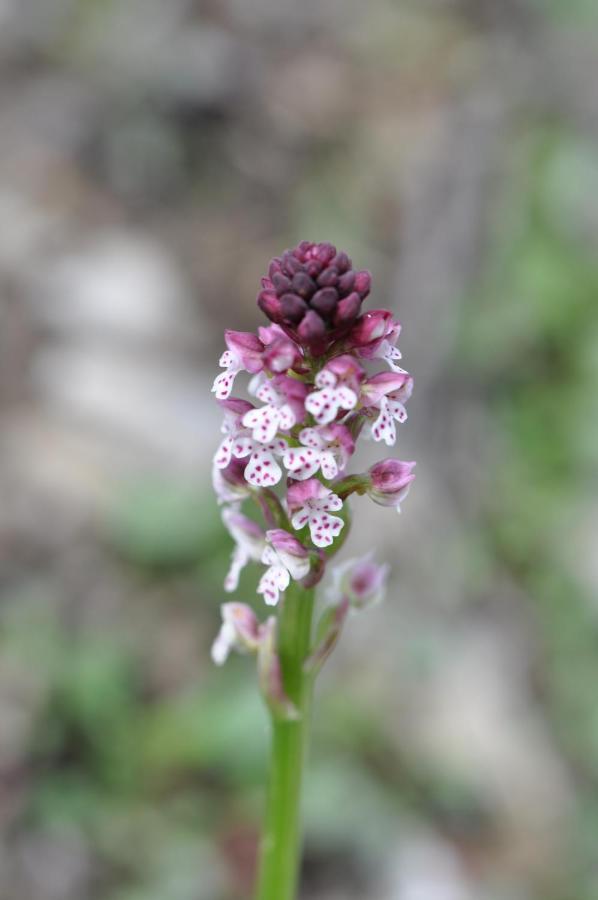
(316, 387)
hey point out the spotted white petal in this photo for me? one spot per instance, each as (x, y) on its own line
(264, 422)
(224, 453)
(383, 428)
(300, 518)
(223, 383)
(331, 503)
(268, 394)
(262, 469)
(391, 355)
(286, 417)
(396, 409)
(311, 437)
(345, 397)
(324, 528)
(273, 581)
(302, 462)
(227, 360)
(328, 464)
(242, 446)
(325, 378)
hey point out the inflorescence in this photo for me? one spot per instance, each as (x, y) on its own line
(314, 399)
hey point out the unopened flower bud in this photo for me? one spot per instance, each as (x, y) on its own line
(314, 293)
(389, 482)
(371, 327)
(363, 283)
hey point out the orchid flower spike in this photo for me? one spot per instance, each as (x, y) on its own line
(315, 386)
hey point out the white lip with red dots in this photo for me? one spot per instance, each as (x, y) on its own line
(323, 527)
(325, 403)
(262, 469)
(223, 383)
(384, 428)
(276, 415)
(316, 454)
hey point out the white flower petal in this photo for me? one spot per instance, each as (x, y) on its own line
(223, 383)
(302, 462)
(262, 469)
(328, 464)
(300, 518)
(224, 453)
(324, 528)
(273, 581)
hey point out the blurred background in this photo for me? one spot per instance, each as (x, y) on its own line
(153, 157)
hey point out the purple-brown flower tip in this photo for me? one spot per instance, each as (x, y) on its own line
(389, 482)
(314, 293)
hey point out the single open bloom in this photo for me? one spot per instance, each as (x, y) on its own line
(283, 398)
(388, 392)
(310, 503)
(286, 558)
(326, 448)
(389, 481)
(339, 383)
(244, 354)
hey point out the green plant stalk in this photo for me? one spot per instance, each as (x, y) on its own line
(280, 849)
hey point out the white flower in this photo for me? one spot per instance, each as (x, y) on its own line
(286, 558)
(223, 383)
(262, 469)
(249, 545)
(325, 403)
(383, 428)
(327, 448)
(310, 504)
(387, 350)
(276, 415)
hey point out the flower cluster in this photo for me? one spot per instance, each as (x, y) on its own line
(311, 398)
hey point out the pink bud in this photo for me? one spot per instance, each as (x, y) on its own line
(387, 383)
(312, 328)
(371, 326)
(389, 481)
(269, 304)
(363, 283)
(247, 347)
(348, 309)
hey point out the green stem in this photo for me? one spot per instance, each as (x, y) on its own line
(281, 841)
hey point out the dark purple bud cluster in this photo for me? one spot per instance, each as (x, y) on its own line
(314, 294)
